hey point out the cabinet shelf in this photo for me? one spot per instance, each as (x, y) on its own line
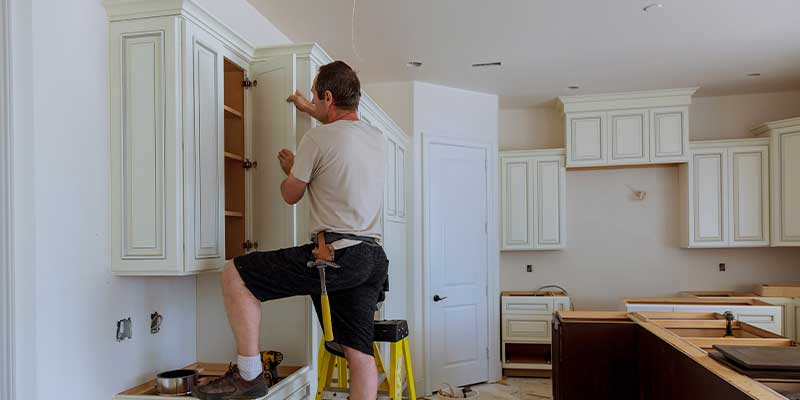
(233, 156)
(231, 112)
(236, 214)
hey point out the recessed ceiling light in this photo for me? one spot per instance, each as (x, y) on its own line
(652, 6)
(414, 64)
(487, 64)
(573, 87)
(754, 74)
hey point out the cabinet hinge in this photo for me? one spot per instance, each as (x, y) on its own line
(247, 164)
(247, 83)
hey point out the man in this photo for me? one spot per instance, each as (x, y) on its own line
(341, 166)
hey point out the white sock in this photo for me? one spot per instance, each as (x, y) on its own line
(249, 366)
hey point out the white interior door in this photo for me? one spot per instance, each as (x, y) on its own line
(456, 255)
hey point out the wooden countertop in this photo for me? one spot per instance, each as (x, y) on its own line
(738, 301)
(747, 385)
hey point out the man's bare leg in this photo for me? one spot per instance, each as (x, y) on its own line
(243, 309)
(363, 375)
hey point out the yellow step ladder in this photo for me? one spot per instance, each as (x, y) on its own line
(394, 332)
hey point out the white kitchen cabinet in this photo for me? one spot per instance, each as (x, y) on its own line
(725, 194)
(526, 328)
(166, 105)
(646, 127)
(784, 147)
(533, 204)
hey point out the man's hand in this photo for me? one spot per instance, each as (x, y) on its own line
(301, 102)
(286, 159)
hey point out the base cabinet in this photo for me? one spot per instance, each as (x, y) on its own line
(725, 194)
(526, 327)
(768, 317)
(784, 151)
(533, 200)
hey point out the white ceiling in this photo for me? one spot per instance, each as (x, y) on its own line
(547, 45)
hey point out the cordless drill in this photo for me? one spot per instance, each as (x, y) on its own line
(270, 361)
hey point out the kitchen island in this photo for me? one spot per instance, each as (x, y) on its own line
(653, 356)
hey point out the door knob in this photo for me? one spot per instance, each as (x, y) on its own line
(436, 298)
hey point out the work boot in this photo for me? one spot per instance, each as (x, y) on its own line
(232, 386)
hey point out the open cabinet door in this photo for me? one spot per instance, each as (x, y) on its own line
(274, 223)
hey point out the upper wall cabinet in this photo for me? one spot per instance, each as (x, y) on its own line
(647, 127)
(187, 190)
(725, 194)
(532, 198)
(167, 168)
(784, 147)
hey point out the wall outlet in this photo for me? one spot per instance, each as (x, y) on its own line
(124, 329)
(722, 267)
(529, 268)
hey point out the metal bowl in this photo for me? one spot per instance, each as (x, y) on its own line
(177, 382)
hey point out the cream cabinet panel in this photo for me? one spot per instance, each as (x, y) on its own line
(790, 186)
(784, 153)
(204, 162)
(629, 137)
(669, 134)
(725, 193)
(532, 198)
(550, 202)
(391, 177)
(517, 212)
(710, 203)
(400, 180)
(586, 139)
(526, 329)
(749, 172)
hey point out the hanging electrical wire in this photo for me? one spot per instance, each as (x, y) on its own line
(353, 32)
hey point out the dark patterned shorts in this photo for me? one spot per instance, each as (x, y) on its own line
(354, 290)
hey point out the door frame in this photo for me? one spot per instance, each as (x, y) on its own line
(6, 267)
(494, 368)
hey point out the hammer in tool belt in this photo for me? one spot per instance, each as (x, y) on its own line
(324, 258)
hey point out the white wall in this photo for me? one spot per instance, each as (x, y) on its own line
(66, 300)
(617, 247)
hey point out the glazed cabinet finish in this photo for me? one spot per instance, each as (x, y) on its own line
(648, 127)
(784, 146)
(166, 158)
(725, 199)
(533, 204)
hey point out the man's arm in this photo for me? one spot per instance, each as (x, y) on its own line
(292, 189)
(303, 105)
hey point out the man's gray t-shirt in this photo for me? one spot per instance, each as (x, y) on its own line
(343, 164)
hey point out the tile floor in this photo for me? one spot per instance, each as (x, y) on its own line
(517, 389)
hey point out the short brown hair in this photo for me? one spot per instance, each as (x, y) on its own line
(339, 79)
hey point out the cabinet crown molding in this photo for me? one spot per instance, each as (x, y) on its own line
(312, 51)
(626, 100)
(700, 144)
(773, 125)
(121, 10)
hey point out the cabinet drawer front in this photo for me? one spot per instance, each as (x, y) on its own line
(531, 306)
(526, 329)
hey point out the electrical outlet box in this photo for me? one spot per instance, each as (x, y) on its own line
(529, 268)
(124, 329)
(722, 267)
